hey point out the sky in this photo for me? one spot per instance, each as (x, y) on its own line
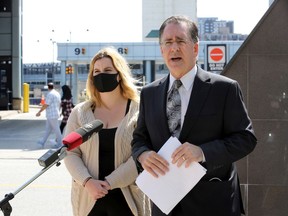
(47, 22)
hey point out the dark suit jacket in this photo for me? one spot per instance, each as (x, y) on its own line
(217, 121)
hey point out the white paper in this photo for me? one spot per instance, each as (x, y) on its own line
(166, 191)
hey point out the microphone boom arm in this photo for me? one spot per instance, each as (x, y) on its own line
(57, 156)
(52, 157)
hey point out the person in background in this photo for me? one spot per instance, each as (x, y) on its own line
(66, 106)
(52, 107)
(214, 127)
(102, 168)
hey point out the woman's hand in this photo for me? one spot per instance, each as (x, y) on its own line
(97, 188)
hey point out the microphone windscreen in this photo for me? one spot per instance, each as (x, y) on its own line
(72, 140)
(82, 134)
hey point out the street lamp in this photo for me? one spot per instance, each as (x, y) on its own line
(45, 71)
(52, 40)
(53, 45)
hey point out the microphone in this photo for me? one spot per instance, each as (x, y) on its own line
(71, 141)
(82, 134)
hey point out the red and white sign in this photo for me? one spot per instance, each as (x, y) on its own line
(216, 54)
(216, 57)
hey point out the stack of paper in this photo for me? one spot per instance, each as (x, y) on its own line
(166, 191)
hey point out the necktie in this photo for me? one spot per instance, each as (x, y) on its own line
(174, 109)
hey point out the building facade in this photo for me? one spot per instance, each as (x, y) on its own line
(144, 58)
(10, 54)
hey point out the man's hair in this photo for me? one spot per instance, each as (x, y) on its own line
(192, 27)
(50, 85)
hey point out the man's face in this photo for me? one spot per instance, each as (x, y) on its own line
(178, 50)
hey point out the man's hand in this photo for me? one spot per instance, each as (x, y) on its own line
(153, 163)
(44, 106)
(187, 153)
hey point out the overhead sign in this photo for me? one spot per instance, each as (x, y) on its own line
(216, 59)
(122, 50)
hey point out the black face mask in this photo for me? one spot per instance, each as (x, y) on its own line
(105, 82)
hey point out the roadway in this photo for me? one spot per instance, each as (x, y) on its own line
(48, 194)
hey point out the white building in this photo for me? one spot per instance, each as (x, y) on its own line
(154, 12)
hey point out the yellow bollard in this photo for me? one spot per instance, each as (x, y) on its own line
(26, 97)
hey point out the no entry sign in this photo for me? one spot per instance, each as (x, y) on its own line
(216, 56)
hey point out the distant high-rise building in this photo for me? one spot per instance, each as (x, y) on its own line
(206, 25)
(211, 25)
(155, 12)
(210, 28)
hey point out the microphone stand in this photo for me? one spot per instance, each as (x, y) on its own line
(47, 160)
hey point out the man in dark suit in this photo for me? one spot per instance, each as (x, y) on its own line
(216, 130)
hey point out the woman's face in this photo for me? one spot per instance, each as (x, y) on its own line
(104, 65)
(105, 75)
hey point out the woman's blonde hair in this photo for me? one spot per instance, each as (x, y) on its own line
(127, 82)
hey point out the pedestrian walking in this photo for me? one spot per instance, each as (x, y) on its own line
(66, 106)
(52, 107)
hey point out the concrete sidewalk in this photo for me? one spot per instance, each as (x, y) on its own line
(33, 109)
(5, 113)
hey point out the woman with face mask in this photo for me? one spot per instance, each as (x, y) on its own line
(102, 168)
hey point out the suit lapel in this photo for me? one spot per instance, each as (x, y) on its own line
(198, 97)
(163, 88)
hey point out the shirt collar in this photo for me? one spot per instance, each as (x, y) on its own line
(187, 80)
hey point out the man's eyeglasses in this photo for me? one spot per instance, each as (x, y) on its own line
(179, 42)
